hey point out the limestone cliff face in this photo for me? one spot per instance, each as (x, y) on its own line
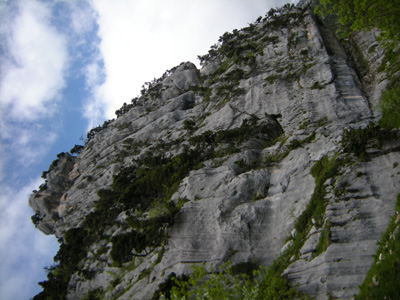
(273, 100)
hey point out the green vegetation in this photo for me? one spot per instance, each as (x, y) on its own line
(357, 15)
(382, 281)
(76, 149)
(124, 109)
(227, 91)
(72, 250)
(140, 188)
(304, 52)
(132, 147)
(225, 142)
(271, 79)
(274, 158)
(283, 17)
(325, 239)
(279, 154)
(356, 141)
(145, 186)
(124, 125)
(189, 125)
(270, 39)
(164, 289)
(123, 244)
(241, 48)
(91, 134)
(96, 294)
(36, 219)
(390, 106)
(294, 144)
(247, 281)
(53, 164)
(244, 281)
(244, 166)
(203, 91)
(322, 170)
(143, 189)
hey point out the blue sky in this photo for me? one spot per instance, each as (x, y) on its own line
(65, 67)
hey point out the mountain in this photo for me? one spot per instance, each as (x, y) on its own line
(270, 155)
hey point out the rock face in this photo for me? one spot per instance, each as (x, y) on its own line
(357, 220)
(50, 201)
(270, 103)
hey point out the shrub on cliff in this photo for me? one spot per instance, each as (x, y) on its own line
(390, 106)
(357, 15)
(263, 283)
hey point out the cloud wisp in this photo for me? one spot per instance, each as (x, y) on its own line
(112, 48)
(140, 40)
(32, 77)
(24, 250)
(33, 68)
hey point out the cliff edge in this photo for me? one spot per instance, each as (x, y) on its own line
(269, 151)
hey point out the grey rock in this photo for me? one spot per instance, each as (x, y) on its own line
(50, 202)
(235, 211)
(357, 222)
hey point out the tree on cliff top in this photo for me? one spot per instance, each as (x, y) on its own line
(357, 15)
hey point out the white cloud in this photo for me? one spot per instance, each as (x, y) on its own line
(141, 39)
(32, 144)
(32, 76)
(94, 108)
(24, 250)
(93, 74)
(23, 145)
(82, 17)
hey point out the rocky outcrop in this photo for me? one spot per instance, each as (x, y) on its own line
(50, 202)
(268, 104)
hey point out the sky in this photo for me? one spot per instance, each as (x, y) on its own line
(66, 67)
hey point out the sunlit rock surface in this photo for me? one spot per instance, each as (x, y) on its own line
(302, 83)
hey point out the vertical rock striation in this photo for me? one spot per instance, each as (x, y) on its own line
(232, 147)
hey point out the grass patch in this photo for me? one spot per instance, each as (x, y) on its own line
(322, 170)
(324, 240)
(390, 107)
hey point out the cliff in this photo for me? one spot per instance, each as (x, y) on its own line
(267, 152)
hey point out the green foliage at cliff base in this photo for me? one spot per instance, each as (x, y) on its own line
(230, 283)
(262, 283)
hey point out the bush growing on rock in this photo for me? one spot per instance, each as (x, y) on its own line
(76, 149)
(390, 106)
(232, 282)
